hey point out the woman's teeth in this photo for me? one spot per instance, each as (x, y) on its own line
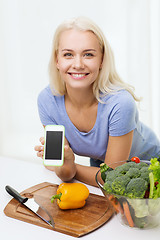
(78, 75)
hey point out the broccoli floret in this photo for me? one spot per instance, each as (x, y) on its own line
(108, 186)
(145, 173)
(145, 176)
(132, 164)
(141, 165)
(111, 175)
(133, 173)
(136, 188)
(144, 169)
(119, 184)
(122, 169)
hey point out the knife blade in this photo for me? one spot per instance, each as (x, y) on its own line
(32, 205)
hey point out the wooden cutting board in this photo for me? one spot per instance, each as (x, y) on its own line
(77, 222)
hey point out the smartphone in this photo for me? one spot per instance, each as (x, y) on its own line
(54, 137)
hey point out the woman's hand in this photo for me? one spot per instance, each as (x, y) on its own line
(68, 153)
(68, 170)
(40, 148)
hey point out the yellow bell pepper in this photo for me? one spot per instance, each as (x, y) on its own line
(71, 195)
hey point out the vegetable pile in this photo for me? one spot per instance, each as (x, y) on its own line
(129, 188)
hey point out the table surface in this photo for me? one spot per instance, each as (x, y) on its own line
(22, 175)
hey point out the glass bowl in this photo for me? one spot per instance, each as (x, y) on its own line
(138, 213)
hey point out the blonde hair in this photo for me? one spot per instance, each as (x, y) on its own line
(108, 81)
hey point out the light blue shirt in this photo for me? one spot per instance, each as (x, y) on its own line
(117, 116)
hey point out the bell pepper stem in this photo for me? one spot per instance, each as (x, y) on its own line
(57, 196)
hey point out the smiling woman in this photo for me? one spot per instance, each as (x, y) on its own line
(97, 108)
(84, 27)
(26, 30)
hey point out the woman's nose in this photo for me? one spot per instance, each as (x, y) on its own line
(78, 63)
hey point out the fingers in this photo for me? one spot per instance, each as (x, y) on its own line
(39, 150)
(68, 153)
(41, 140)
(40, 154)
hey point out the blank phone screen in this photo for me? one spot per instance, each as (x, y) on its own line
(53, 145)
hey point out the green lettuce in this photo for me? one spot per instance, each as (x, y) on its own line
(154, 177)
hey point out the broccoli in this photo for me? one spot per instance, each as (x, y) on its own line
(130, 179)
(145, 176)
(108, 186)
(141, 165)
(133, 173)
(111, 175)
(119, 184)
(132, 164)
(122, 169)
(136, 188)
(145, 169)
(145, 173)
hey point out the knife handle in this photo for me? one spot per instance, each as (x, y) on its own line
(15, 194)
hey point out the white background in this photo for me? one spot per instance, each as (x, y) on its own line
(132, 28)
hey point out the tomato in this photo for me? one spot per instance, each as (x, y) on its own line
(156, 183)
(135, 159)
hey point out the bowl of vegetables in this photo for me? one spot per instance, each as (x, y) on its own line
(133, 189)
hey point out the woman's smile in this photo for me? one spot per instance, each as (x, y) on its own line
(78, 76)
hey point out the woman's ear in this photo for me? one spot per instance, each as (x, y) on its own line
(57, 60)
(57, 63)
(101, 65)
(57, 66)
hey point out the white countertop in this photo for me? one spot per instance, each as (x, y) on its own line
(22, 175)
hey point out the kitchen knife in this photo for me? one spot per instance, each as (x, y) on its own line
(32, 205)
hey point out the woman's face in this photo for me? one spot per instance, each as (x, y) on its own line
(79, 58)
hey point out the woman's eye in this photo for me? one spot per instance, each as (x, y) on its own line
(67, 55)
(89, 54)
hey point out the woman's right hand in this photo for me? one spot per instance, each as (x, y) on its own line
(68, 170)
(68, 153)
(40, 148)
